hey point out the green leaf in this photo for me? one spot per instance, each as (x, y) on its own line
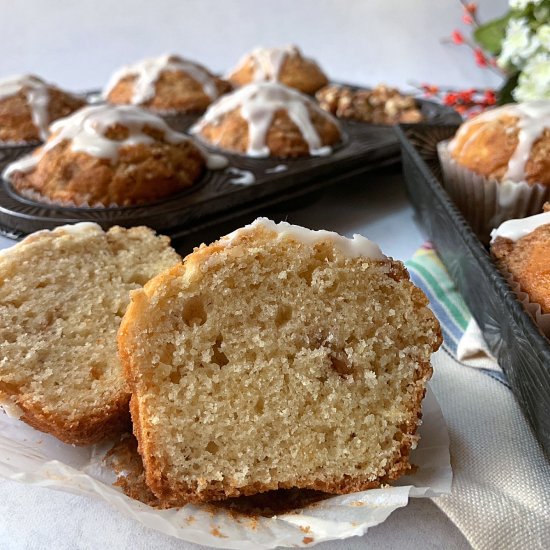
(490, 35)
(504, 95)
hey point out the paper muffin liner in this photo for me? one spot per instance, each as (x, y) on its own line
(487, 202)
(180, 122)
(35, 196)
(32, 457)
(541, 319)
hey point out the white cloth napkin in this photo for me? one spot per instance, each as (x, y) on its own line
(472, 350)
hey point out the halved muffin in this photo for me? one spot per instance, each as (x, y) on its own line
(62, 297)
(277, 357)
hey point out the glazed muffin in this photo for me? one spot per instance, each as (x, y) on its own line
(165, 84)
(286, 65)
(508, 143)
(28, 105)
(277, 357)
(521, 249)
(381, 105)
(108, 155)
(497, 166)
(268, 119)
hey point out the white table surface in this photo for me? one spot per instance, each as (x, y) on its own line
(37, 518)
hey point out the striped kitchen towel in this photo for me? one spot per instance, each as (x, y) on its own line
(457, 324)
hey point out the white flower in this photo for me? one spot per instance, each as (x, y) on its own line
(534, 79)
(522, 4)
(518, 45)
(543, 36)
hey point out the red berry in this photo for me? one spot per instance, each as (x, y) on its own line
(457, 37)
(450, 98)
(471, 7)
(467, 18)
(480, 58)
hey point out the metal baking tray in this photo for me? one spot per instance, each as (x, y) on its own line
(215, 198)
(522, 350)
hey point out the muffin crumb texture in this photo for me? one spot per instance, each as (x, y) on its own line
(63, 294)
(266, 362)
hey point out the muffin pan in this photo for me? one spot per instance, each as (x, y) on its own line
(519, 346)
(217, 197)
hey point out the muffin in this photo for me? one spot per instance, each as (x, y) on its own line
(28, 105)
(286, 65)
(381, 105)
(165, 84)
(497, 166)
(268, 119)
(63, 294)
(277, 357)
(108, 155)
(521, 250)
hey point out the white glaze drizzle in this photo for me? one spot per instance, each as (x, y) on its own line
(356, 247)
(533, 118)
(258, 103)
(267, 62)
(277, 169)
(148, 71)
(86, 130)
(516, 229)
(38, 98)
(243, 177)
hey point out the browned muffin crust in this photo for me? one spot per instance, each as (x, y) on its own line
(296, 72)
(143, 173)
(283, 138)
(528, 261)
(16, 123)
(486, 147)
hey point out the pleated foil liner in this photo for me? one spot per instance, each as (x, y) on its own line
(486, 202)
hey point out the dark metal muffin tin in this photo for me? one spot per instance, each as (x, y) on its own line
(522, 350)
(214, 198)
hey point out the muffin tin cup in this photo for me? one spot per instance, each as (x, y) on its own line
(180, 122)
(486, 202)
(11, 152)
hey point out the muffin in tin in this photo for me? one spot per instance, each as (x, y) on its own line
(108, 155)
(167, 84)
(286, 65)
(27, 107)
(521, 250)
(497, 166)
(381, 105)
(268, 119)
